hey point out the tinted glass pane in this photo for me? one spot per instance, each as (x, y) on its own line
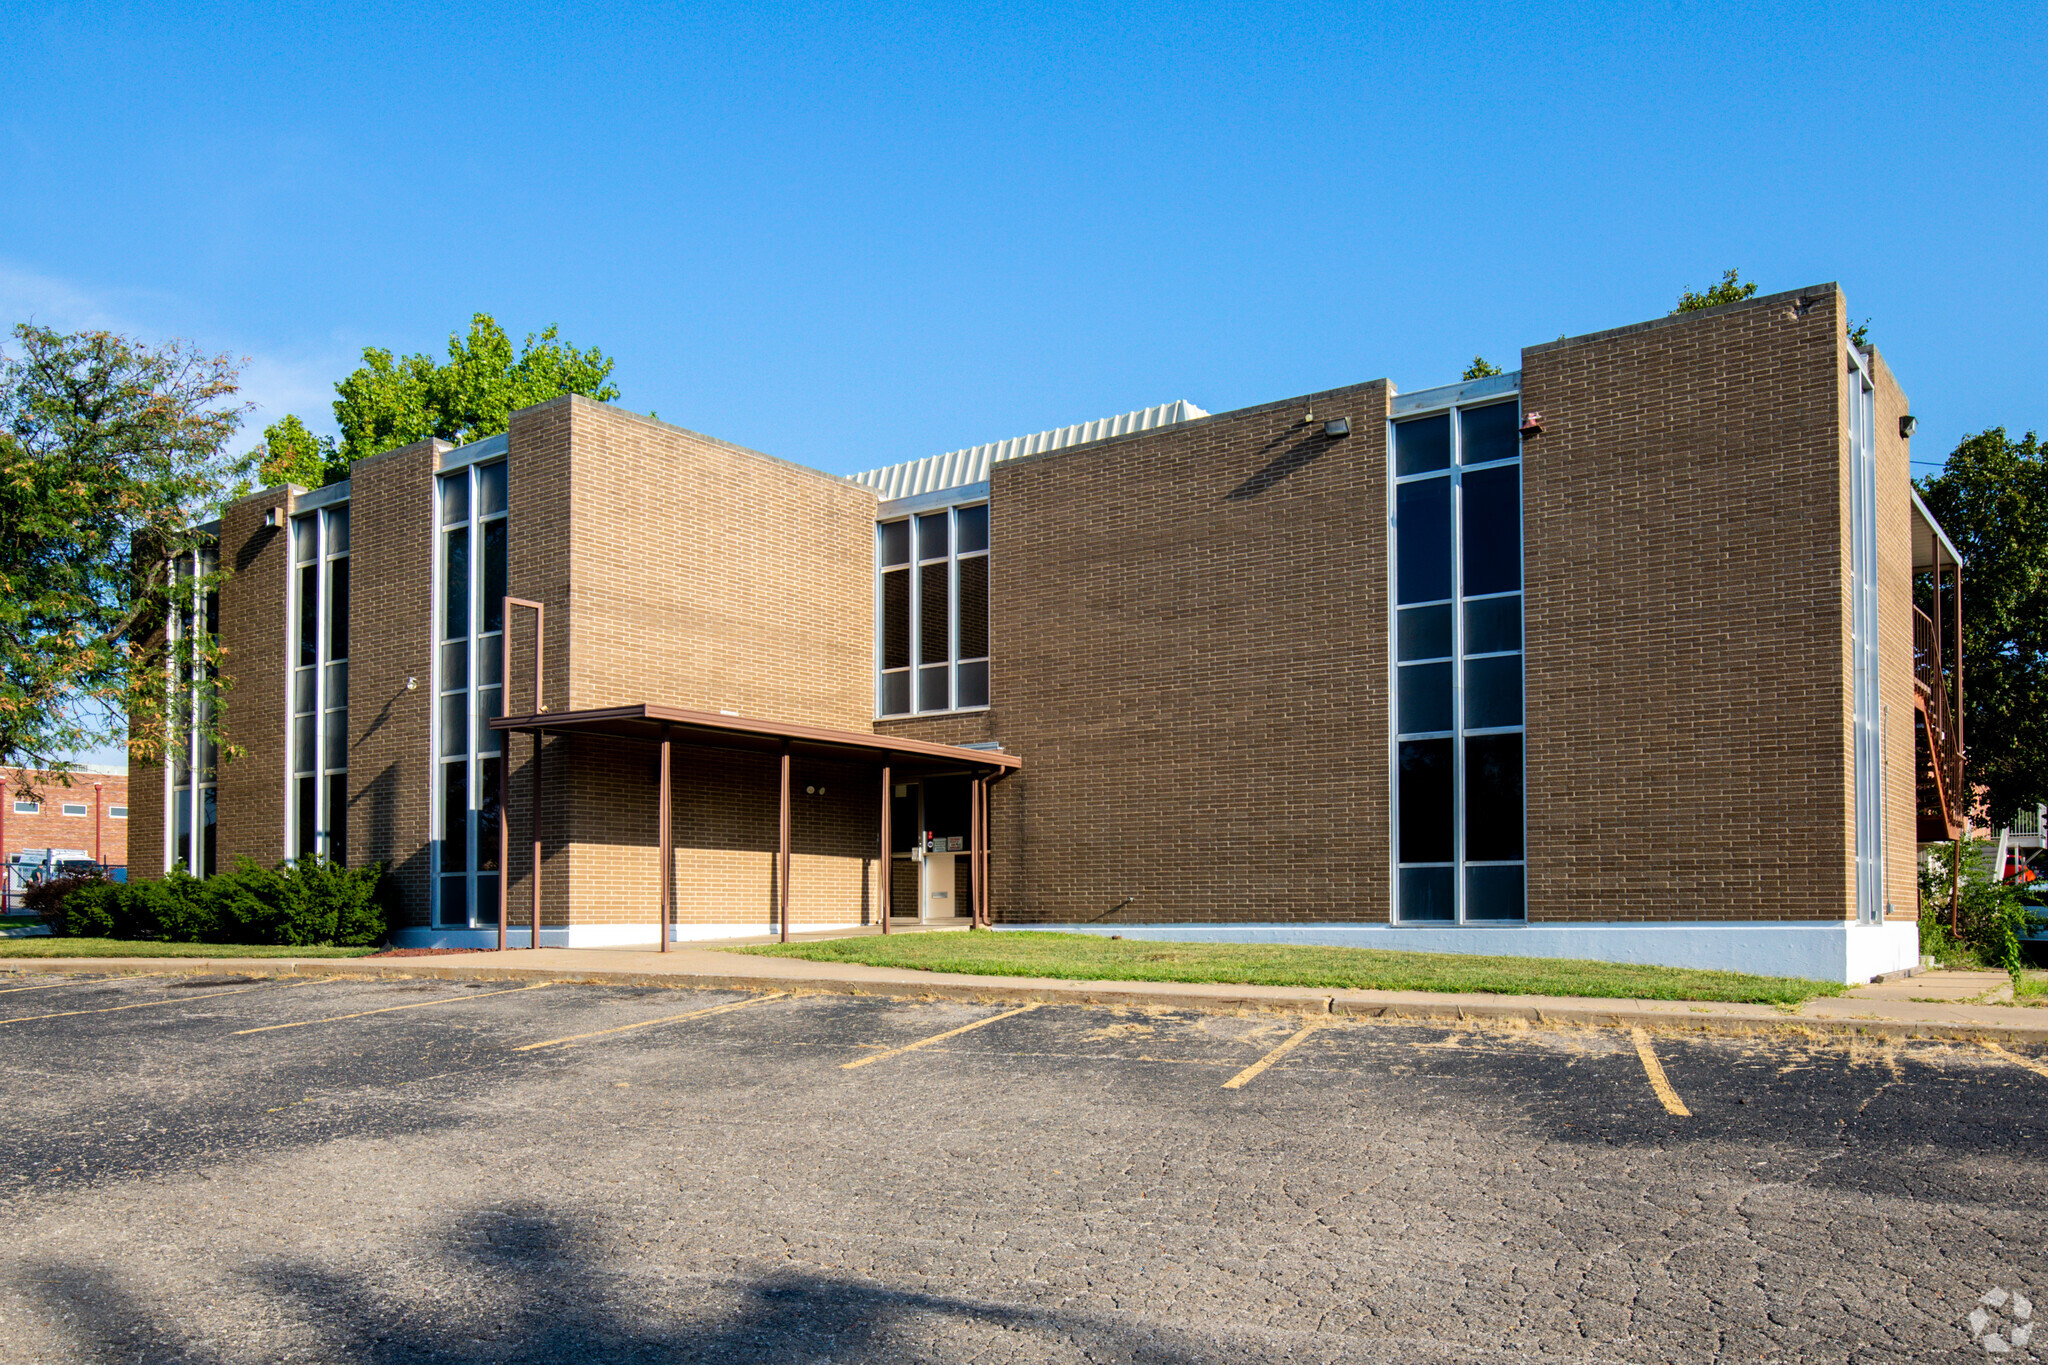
(302, 744)
(972, 528)
(1425, 632)
(487, 816)
(455, 498)
(455, 586)
(490, 489)
(931, 688)
(308, 819)
(337, 531)
(1493, 798)
(1428, 800)
(454, 665)
(494, 575)
(337, 817)
(309, 614)
(931, 535)
(973, 685)
(895, 542)
(1422, 444)
(487, 898)
(334, 740)
(1493, 893)
(337, 609)
(305, 544)
(487, 707)
(1422, 518)
(1426, 894)
(455, 817)
(337, 685)
(454, 900)
(490, 663)
(1425, 697)
(1493, 531)
(455, 723)
(1489, 433)
(895, 698)
(1493, 625)
(932, 622)
(302, 691)
(896, 619)
(974, 607)
(1493, 691)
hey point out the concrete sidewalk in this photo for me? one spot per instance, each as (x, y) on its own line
(1933, 1005)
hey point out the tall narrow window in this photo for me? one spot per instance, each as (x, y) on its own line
(190, 809)
(319, 686)
(932, 629)
(1458, 688)
(472, 569)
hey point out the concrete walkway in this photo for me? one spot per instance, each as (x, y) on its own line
(1942, 1004)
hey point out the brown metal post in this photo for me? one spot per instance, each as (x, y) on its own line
(504, 833)
(96, 808)
(1958, 704)
(888, 854)
(539, 741)
(783, 857)
(666, 841)
(974, 849)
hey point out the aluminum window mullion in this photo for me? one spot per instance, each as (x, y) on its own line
(1459, 793)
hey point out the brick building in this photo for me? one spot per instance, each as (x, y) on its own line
(86, 817)
(1614, 656)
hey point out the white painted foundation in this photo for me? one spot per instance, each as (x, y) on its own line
(1831, 951)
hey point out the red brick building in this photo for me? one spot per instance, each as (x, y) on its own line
(39, 813)
(1614, 656)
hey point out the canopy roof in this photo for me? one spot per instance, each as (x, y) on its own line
(649, 721)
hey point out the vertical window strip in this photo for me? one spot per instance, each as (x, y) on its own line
(932, 612)
(472, 580)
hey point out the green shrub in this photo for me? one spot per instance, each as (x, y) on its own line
(312, 902)
(47, 898)
(1974, 916)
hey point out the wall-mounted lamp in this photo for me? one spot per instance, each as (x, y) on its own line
(1908, 425)
(412, 684)
(1337, 426)
(274, 518)
(1532, 425)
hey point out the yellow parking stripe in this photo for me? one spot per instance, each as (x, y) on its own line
(96, 981)
(145, 1004)
(938, 1037)
(2038, 1068)
(1654, 1069)
(1253, 1072)
(650, 1023)
(417, 1004)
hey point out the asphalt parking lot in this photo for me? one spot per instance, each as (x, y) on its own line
(243, 1169)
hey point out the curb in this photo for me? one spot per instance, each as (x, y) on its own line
(1306, 1001)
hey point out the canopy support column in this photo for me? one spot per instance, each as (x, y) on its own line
(666, 842)
(888, 859)
(539, 742)
(783, 856)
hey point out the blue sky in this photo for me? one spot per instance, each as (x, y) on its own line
(857, 234)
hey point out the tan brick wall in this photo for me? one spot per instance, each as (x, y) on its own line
(1895, 641)
(1688, 689)
(255, 619)
(391, 511)
(50, 827)
(1190, 654)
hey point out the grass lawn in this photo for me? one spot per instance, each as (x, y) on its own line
(1087, 957)
(122, 947)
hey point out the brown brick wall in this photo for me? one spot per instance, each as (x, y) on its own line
(1895, 641)
(1687, 645)
(391, 630)
(50, 827)
(255, 618)
(1190, 654)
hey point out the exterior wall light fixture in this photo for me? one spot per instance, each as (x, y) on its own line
(1337, 426)
(1532, 425)
(274, 517)
(1908, 425)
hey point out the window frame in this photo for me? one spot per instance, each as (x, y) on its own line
(325, 558)
(196, 799)
(476, 643)
(74, 810)
(1459, 732)
(912, 567)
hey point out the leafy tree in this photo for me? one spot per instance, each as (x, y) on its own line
(1992, 499)
(1479, 369)
(112, 452)
(392, 401)
(292, 454)
(1731, 289)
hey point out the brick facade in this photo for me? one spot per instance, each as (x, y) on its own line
(251, 789)
(96, 831)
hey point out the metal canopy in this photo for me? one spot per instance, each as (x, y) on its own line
(648, 721)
